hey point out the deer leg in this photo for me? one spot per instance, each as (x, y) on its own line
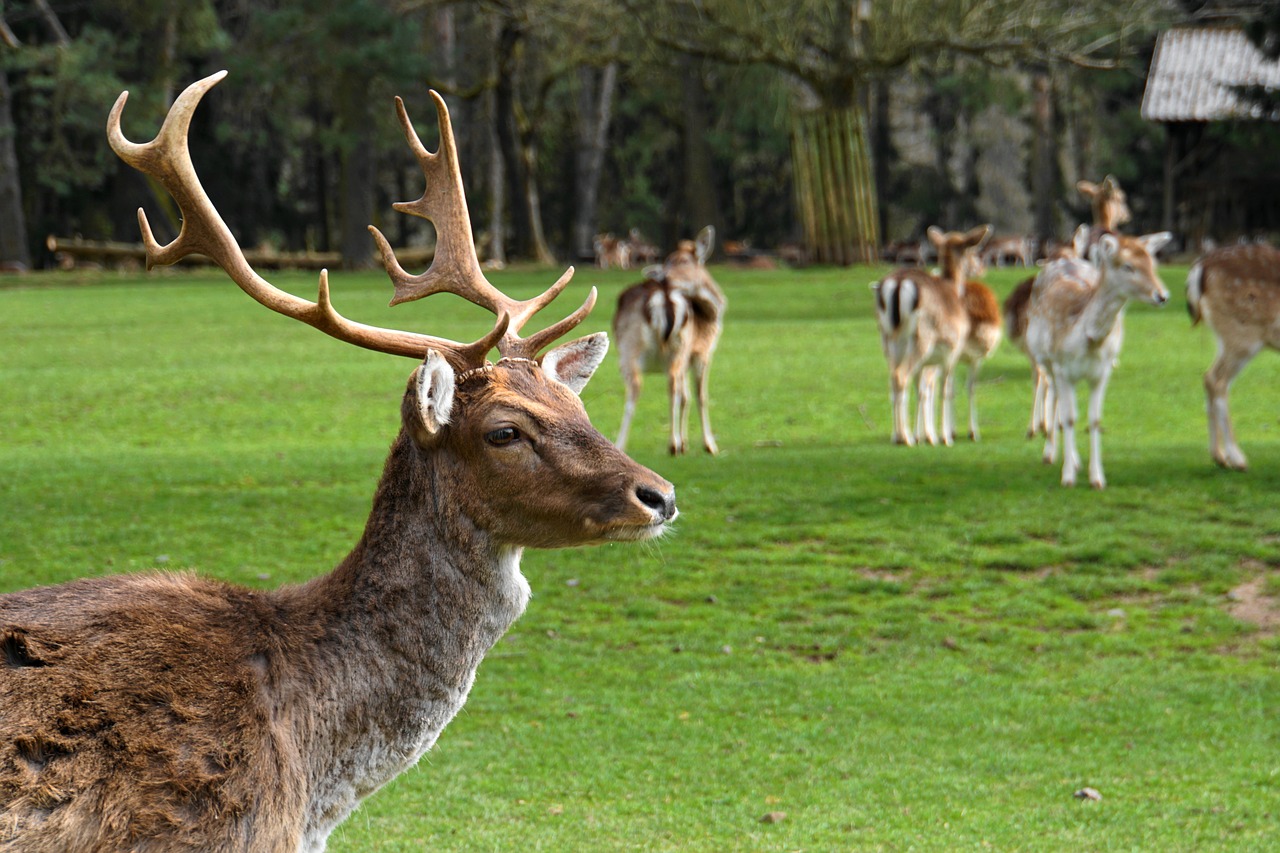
(1217, 385)
(926, 405)
(702, 371)
(1096, 395)
(678, 389)
(1067, 423)
(1037, 403)
(948, 403)
(634, 380)
(1051, 421)
(972, 387)
(900, 393)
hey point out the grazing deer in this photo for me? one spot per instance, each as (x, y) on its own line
(640, 251)
(154, 712)
(958, 255)
(612, 252)
(670, 323)
(1236, 291)
(1007, 250)
(1075, 326)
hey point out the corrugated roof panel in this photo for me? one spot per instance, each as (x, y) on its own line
(1193, 72)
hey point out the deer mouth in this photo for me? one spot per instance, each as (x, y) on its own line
(652, 530)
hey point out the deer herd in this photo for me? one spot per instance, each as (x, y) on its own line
(165, 712)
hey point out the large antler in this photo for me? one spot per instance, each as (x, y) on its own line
(455, 267)
(168, 159)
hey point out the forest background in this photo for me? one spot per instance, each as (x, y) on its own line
(576, 117)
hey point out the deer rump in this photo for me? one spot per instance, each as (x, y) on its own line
(669, 309)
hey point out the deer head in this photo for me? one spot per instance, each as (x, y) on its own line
(1128, 264)
(957, 250)
(511, 438)
(1110, 206)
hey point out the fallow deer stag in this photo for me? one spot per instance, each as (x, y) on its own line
(1236, 291)
(1075, 326)
(670, 323)
(162, 712)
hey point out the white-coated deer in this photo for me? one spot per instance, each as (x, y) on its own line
(1110, 209)
(670, 323)
(1075, 326)
(958, 256)
(165, 712)
(1236, 291)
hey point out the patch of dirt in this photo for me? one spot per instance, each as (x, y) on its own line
(1249, 603)
(884, 577)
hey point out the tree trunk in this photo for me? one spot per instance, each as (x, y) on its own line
(14, 251)
(1042, 189)
(595, 109)
(699, 196)
(513, 161)
(359, 174)
(835, 188)
(882, 152)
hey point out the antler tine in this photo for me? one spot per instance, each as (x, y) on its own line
(167, 158)
(455, 267)
(529, 347)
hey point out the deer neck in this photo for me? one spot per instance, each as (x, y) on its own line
(1105, 308)
(953, 272)
(399, 630)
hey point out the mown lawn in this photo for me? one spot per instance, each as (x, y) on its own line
(898, 648)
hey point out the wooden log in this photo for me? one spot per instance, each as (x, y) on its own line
(107, 251)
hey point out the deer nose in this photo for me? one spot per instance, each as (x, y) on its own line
(1161, 297)
(663, 503)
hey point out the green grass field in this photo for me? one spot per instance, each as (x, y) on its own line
(899, 648)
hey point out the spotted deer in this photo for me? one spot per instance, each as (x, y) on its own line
(1075, 327)
(670, 323)
(169, 712)
(959, 258)
(1110, 208)
(923, 324)
(1015, 319)
(1236, 291)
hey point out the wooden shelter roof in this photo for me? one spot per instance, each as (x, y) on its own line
(1193, 73)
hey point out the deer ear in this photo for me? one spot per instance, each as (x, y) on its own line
(935, 235)
(705, 243)
(1107, 247)
(1157, 241)
(979, 235)
(429, 403)
(573, 363)
(1087, 189)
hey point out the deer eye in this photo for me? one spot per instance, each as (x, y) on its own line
(503, 436)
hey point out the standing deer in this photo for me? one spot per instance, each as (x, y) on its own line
(958, 256)
(1109, 204)
(1236, 291)
(1110, 209)
(1015, 318)
(923, 323)
(1075, 327)
(166, 712)
(670, 323)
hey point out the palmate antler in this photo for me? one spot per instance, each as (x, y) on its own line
(455, 268)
